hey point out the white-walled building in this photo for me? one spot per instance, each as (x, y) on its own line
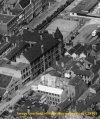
(13, 76)
(55, 89)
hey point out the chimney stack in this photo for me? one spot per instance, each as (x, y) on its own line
(41, 37)
(42, 49)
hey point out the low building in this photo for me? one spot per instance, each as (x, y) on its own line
(84, 7)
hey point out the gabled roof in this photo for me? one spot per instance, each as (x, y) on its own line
(24, 3)
(80, 50)
(76, 47)
(90, 59)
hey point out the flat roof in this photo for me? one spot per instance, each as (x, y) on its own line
(50, 89)
(6, 18)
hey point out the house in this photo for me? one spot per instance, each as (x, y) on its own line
(80, 86)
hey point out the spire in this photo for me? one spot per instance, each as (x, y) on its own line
(58, 34)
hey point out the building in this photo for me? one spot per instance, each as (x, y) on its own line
(17, 50)
(84, 7)
(42, 52)
(55, 89)
(14, 15)
(87, 99)
(13, 76)
(7, 24)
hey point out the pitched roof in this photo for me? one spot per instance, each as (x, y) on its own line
(64, 104)
(33, 53)
(4, 80)
(5, 47)
(80, 50)
(76, 47)
(24, 3)
(82, 72)
(16, 50)
(90, 59)
(31, 36)
(75, 80)
(47, 42)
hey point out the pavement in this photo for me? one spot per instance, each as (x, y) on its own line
(33, 24)
(21, 92)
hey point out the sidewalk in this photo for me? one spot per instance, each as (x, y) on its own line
(45, 14)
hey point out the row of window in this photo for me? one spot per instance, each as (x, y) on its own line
(54, 99)
(24, 70)
(48, 93)
(26, 74)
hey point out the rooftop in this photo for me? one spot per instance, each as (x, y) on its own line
(46, 42)
(16, 50)
(24, 3)
(4, 80)
(4, 47)
(85, 6)
(6, 18)
(48, 89)
(16, 66)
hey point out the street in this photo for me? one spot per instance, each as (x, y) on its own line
(21, 92)
(45, 14)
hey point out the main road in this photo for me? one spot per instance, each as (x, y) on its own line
(33, 24)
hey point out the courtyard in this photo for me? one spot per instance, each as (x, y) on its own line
(65, 26)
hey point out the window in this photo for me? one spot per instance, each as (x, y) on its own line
(16, 87)
(27, 74)
(24, 71)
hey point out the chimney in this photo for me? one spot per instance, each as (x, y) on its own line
(53, 34)
(7, 39)
(42, 49)
(41, 37)
(7, 11)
